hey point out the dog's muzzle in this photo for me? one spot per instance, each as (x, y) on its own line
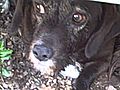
(41, 57)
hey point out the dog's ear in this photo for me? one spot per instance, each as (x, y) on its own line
(22, 13)
(27, 31)
(17, 18)
(22, 16)
(109, 29)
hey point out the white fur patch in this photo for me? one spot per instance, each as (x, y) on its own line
(110, 87)
(42, 9)
(71, 71)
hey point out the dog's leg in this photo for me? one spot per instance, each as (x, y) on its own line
(89, 74)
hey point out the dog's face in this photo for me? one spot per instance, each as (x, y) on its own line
(66, 33)
(60, 38)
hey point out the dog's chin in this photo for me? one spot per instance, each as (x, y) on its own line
(45, 67)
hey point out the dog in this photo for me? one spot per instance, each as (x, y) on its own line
(61, 32)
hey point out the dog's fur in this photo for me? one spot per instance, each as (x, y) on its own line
(90, 43)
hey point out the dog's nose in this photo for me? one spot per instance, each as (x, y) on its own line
(42, 52)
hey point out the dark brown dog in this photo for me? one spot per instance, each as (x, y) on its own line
(61, 32)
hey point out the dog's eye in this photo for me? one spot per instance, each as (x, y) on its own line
(79, 17)
(39, 8)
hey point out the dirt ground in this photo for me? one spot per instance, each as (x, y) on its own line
(24, 77)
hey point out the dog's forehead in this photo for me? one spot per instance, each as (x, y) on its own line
(54, 4)
(57, 11)
(48, 1)
(67, 6)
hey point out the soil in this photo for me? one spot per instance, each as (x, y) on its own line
(25, 77)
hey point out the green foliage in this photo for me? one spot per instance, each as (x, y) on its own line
(5, 54)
